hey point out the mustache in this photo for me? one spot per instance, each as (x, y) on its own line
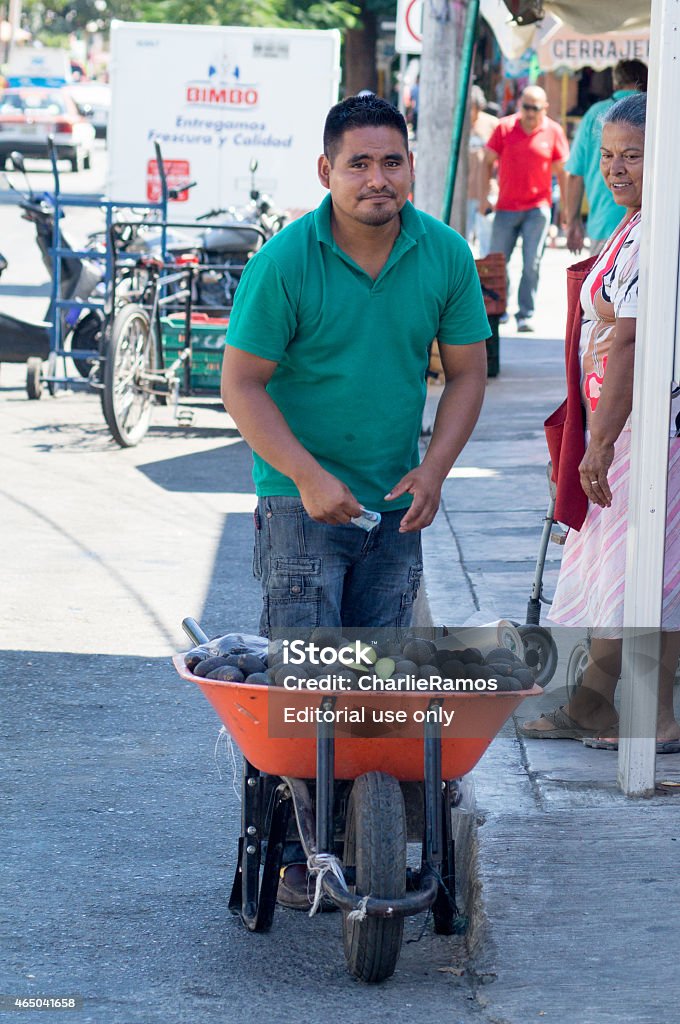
(378, 192)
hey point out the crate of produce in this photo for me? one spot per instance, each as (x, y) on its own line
(207, 340)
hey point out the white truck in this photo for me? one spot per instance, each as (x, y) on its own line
(216, 98)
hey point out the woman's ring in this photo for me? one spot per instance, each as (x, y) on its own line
(593, 482)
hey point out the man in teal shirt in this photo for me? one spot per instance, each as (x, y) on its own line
(324, 375)
(583, 166)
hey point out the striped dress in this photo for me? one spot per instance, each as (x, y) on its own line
(590, 588)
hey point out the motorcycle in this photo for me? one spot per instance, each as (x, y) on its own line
(226, 246)
(24, 341)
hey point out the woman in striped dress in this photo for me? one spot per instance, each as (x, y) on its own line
(591, 584)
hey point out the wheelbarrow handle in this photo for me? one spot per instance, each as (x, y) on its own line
(194, 631)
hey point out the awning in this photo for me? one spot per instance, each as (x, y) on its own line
(601, 15)
(627, 16)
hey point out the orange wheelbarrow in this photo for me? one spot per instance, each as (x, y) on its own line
(364, 774)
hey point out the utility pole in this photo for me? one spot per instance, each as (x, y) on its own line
(440, 64)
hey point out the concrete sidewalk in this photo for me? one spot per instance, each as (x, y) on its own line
(571, 884)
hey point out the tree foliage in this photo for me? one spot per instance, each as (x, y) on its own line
(51, 21)
(56, 17)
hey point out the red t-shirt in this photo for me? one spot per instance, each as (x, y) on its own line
(525, 162)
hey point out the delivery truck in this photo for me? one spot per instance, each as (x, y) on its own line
(215, 99)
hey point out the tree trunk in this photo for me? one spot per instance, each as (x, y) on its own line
(443, 30)
(360, 65)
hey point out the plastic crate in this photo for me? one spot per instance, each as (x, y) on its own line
(208, 336)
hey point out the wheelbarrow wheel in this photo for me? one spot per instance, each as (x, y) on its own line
(375, 847)
(130, 354)
(540, 652)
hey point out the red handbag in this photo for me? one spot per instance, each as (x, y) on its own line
(565, 428)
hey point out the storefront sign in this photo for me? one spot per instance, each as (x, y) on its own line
(567, 49)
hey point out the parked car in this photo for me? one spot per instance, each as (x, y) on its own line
(28, 116)
(93, 100)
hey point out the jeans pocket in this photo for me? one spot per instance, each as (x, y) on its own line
(294, 592)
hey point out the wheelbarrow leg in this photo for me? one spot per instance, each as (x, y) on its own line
(444, 910)
(325, 779)
(276, 840)
(254, 900)
(438, 849)
(244, 893)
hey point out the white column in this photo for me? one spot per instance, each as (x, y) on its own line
(657, 333)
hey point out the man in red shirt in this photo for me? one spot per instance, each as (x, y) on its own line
(530, 148)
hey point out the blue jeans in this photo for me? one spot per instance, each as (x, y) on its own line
(532, 227)
(314, 574)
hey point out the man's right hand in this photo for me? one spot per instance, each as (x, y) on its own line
(575, 236)
(327, 499)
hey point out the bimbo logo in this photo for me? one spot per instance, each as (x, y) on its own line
(223, 88)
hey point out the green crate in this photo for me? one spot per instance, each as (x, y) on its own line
(207, 345)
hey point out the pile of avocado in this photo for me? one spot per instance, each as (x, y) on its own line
(326, 651)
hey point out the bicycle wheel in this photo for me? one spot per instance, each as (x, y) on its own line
(130, 354)
(375, 847)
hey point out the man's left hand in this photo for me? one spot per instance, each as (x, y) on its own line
(426, 491)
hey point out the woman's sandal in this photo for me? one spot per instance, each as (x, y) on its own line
(612, 743)
(564, 728)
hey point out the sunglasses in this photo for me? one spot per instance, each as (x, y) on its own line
(531, 106)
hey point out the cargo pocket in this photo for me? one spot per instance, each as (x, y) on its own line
(415, 575)
(294, 593)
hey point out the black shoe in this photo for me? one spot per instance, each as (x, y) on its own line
(296, 892)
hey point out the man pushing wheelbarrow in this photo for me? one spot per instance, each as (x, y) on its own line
(324, 374)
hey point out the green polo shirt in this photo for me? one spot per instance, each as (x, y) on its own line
(604, 215)
(352, 352)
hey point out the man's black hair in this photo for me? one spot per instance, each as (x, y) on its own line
(630, 73)
(360, 112)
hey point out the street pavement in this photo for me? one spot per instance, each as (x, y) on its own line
(118, 808)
